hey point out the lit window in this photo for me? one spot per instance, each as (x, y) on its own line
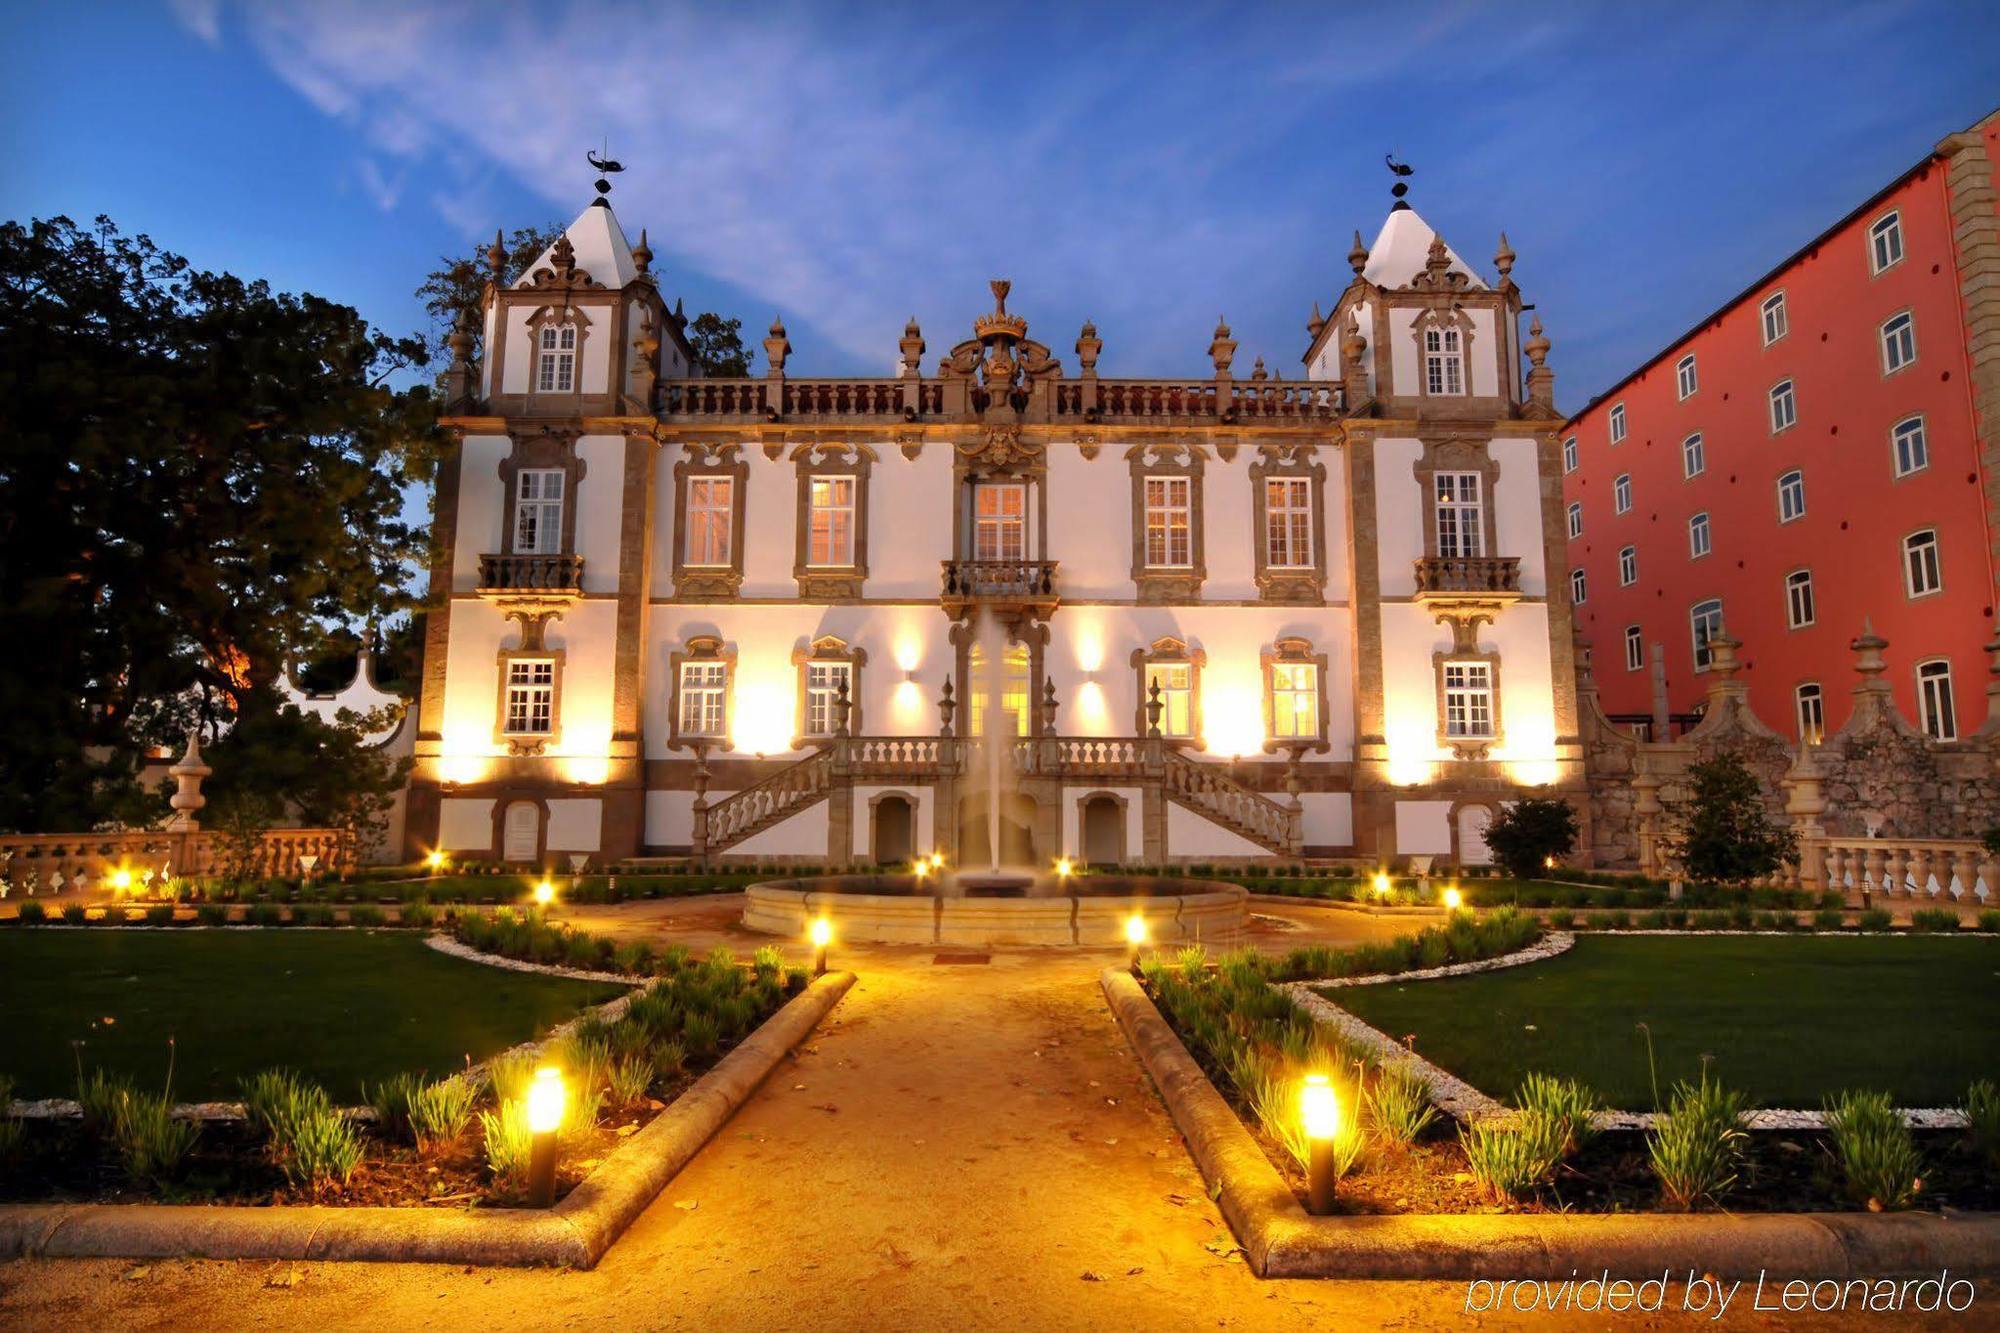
(1705, 622)
(1468, 700)
(1294, 700)
(1013, 690)
(1694, 457)
(704, 698)
(1799, 599)
(1169, 518)
(538, 503)
(1635, 648)
(1940, 719)
(1460, 531)
(1913, 452)
(556, 368)
(1444, 361)
(1684, 378)
(1899, 343)
(831, 535)
(1176, 682)
(1579, 587)
(1811, 705)
(1784, 406)
(1791, 496)
(1921, 572)
(1569, 454)
(1000, 521)
(711, 518)
(1776, 322)
(1575, 519)
(1288, 523)
(531, 696)
(1885, 242)
(824, 681)
(1628, 566)
(1621, 492)
(1698, 543)
(1617, 422)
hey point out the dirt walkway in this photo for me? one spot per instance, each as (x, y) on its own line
(961, 1145)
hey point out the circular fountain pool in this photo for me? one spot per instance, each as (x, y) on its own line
(1092, 910)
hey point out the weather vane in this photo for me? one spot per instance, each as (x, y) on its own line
(605, 167)
(1402, 187)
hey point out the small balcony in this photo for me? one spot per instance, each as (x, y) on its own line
(1008, 588)
(531, 577)
(1493, 580)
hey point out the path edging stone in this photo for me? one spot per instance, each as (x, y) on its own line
(575, 1233)
(1280, 1240)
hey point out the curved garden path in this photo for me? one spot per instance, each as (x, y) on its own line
(960, 1145)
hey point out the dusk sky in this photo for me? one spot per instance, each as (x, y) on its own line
(1149, 168)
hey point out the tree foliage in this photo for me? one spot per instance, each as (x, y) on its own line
(1723, 831)
(1527, 832)
(279, 763)
(198, 476)
(718, 346)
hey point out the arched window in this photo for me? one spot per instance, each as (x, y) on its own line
(1811, 704)
(1777, 322)
(1799, 598)
(1784, 406)
(1899, 342)
(1885, 242)
(1934, 703)
(1684, 377)
(1791, 496)
(1694, 459)
(1922, 574)
(1912, 450)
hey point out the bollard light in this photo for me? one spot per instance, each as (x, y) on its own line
(434, 861)
(920, 867)
(545, 893)
(937, 860)
(547, 1099)
(1064, 867)
(1453, 899)
(1548, 863)
(1381, 884)
(1135, 937)
(1319, 1115)
(821, 935)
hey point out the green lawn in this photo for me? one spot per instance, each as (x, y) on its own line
(1788, 1018)
(341, 1006)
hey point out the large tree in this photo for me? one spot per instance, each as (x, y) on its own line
(457, 285)
(198, 477)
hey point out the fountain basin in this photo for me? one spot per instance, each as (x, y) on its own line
(1091, 912)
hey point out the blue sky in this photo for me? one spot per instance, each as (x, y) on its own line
(1148, 167)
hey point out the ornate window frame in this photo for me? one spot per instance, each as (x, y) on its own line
(1441, 317)
(707, 583)
(1158, 584)
(550, 450)
(525, 742)
(831, 583)
(1289, 583)
(701, 648)
(1293, 649)
(1468, 747)
(1458, 455)
(1169, 651)
(555, 316)
(827, 648)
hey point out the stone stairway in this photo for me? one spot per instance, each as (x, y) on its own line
(1209, 791)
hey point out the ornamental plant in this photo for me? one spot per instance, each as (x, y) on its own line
(1723, 830)
(439, 1113)
(1982, 1122)
(1696, 1146)
(1527, 833)
(1878, 1160)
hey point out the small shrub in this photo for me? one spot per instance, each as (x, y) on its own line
(265, 914)
(1567, 1106)
(76, 914)
(1877, 1157)
(11, 1129)
(508, 1074)
(277, 1101)
(1506, 1162)
(1711, 920)
(1829, 918)
(152, 1145)
(1989, 921)
(312, 914)
(636, 958)
(700, 1035)
(161, 914)
(509, 1141)
(1526, 833)
(321, 1150)
(669, 1059)
(1653, 920)
(1696, 1147)
(212, 914)
(99, 1094)
(1982, 1122)
(1563, 919)
(1934, 920)
(439, 1113)
(631, 1077)
(391, 1100)
(1192, 961)
(417, 916)
(1400, 1104)
(366, 915)
(32, 913)
(1875, 920)
(1619, 920)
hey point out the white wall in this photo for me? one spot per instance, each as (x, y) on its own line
(600, 500)
(575, 825)
(1190, 835)
(1527, 711)
(1329, 818)
(481, 500)
(1517, 511)
(465, 824)
(1135, 819)
(1423, 827)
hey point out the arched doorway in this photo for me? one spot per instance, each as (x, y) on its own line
(1472, 824)
(1017, 831)
(521, 832)
(892, 838)
(1103, 830)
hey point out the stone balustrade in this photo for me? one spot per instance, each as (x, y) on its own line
(1955, 870)
(542, 574)
(1468, 574)
(41, 864)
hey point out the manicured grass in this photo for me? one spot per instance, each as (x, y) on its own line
(1787, 1018)
(340, 1006)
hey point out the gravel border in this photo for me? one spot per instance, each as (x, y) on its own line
(1467, 1104)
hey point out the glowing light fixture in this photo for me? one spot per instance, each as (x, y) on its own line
(821, 934)
(121, 880)
(545, 893)
(1135, 937)
(1319, 1116)
(547, 1101)
(1548, 863)
(1381, 885)
(434, 861)
(1453, 899)
(937, 860)
(1064, 867)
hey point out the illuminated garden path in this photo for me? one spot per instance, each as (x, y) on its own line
(958, 1146)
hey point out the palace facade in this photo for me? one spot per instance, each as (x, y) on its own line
(1225, 616)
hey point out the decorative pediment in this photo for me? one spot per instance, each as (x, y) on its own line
(1001, 448)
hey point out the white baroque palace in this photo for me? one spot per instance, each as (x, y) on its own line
(1220, 617)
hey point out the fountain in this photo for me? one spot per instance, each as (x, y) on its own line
(997, 904)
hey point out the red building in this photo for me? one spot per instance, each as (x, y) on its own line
(1822, 450)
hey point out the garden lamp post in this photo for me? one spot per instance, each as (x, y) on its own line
(822, 935)
(1319, 1113)
(545, 892)
(1135, 936)
(434, 861)
(1381, 884)
(1453, 899)
(546, 1098)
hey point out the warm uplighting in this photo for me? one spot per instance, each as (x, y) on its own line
(937, 860)
(545, 893)
(121, 880)
(1064, 867)
(1453, 899)
(1381, 885)
(588, 770)
(920, 867)
(464, 768)
(434, 861)
(547, 1101)
(1232, 722)
(821, 935)
(1135, 930)
(1319, 1116)
(761, 721)
(1548, 863)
